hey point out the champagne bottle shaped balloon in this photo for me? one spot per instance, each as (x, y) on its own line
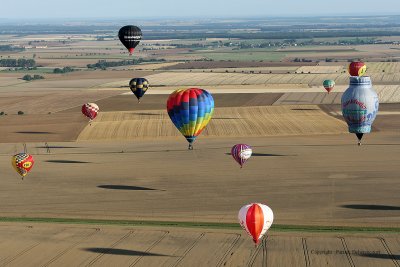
(360, 105)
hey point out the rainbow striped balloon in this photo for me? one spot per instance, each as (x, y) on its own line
(241, 153)
(190, 110)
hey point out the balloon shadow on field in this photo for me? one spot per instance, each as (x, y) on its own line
(125, 187)
(34, 132)
(147, 114)
(66, 161)
(126, 252)
(54, 147)
(381, 256)
(370, 207)
(227, 118)
(304, 109)
(265, 155)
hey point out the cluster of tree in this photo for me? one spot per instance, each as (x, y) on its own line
(301, 60)
(63, 70)
(103, 64)
(28, 77)
(19, 63)
(10, 48)
(104, 37)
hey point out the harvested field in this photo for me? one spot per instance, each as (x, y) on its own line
(239, 121)
(41, 128)
(154, 66)
(39, 245)
(44, 102)
(128, 102)
(236, 64)
(387, 119)
(386, 94)
(386, 67)
(320, 69)
(213, 79)
(306, 180)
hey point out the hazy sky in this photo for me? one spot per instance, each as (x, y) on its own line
(185, 8)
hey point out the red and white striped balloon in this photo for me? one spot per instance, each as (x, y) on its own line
(241, 153)
(256, 219)
(90, 110)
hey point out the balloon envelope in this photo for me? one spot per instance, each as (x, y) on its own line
(241, 153)
(130, 37)
(90, 110)
(328, 85)
(360, 105)
(256, 219)
(139, 86)
(190, 110)
(22, 163)
(357, 68)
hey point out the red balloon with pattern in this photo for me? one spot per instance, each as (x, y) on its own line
(90, 110)
(22, 163)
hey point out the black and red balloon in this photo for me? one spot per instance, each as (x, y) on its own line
(130, 37)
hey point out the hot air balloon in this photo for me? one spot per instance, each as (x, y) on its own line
(22, 163)
(130, 37)
(357, 68)
(190, 110)
(256, 219)
(241, 153)
(360, 105)
(90, 110)
(139, 87)
(328, 85)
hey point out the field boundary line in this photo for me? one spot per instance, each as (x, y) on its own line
(88, 236)
(226, 254)
(389, 252)
(110, 248)
(305, 251)
(155, 243)
(189, 249)
(346, 249)
(202, 225)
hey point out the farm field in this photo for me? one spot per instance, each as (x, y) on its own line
(239, 122)
(133, 246)
(124, 190)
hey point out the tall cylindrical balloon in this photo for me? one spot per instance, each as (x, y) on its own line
(190, 110)
(256, 219)
(360, 105)
(241, 153)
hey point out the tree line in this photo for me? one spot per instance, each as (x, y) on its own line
(17, 63)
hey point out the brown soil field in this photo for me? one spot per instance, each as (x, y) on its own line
(44, 102)
(386, 94)
(39, 245)
(128, 102)
(235, 64)
(233, 121)
(306, 180)
(387, 119)
(213, 79)
(320, 69)
(41, 128)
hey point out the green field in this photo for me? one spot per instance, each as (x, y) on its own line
(244, 56)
